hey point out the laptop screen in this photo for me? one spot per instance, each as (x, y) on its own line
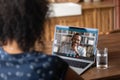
(70, 41)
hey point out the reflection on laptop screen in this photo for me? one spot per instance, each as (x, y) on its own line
(75, 42)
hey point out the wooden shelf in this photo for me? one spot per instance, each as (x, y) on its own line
(94, 5)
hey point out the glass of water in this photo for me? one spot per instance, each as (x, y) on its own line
(102, 58)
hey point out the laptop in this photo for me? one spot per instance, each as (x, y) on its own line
(79, 60)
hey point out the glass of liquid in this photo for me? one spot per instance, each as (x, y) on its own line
(102, 58)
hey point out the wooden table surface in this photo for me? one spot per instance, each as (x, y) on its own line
(112, 42)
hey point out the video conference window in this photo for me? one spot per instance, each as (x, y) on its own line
(74, 43)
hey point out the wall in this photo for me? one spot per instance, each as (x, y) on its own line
(117, 12)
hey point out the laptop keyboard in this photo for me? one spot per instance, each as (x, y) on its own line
(76, 63)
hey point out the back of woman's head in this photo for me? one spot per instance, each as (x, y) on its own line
(22, 20)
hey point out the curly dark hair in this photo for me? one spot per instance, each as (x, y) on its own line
(23, 21)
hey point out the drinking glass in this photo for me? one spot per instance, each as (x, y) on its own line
(102, 58)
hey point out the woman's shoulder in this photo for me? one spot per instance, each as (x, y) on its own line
(44, 56)
(53, 63)
(52, 60)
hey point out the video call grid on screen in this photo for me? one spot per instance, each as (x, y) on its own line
(63, 36)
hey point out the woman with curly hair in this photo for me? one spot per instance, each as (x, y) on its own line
(21, 24)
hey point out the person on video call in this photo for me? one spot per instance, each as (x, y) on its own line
(21, 25)
(74, 49)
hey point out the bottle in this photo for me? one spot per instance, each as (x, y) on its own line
(96, 0)
(87, 1)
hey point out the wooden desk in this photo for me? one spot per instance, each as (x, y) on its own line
(112, 42)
